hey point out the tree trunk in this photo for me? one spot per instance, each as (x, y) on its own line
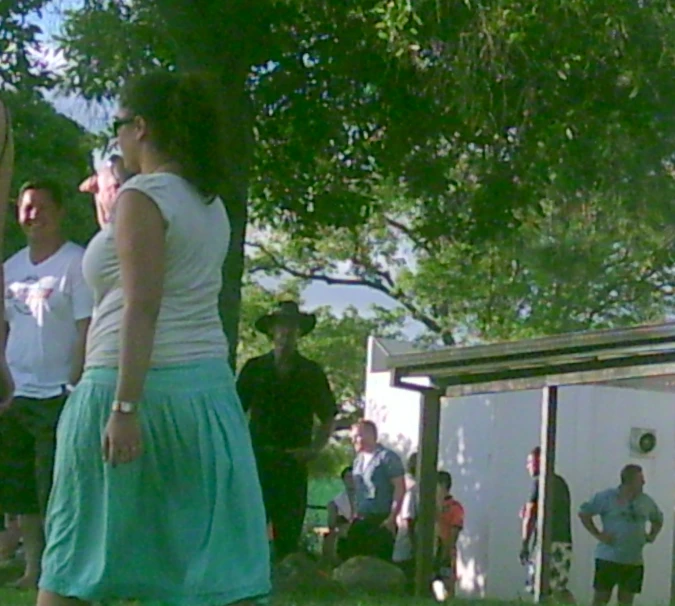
(213, 37)
(240, 123)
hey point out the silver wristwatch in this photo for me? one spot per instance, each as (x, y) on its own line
(124, 407)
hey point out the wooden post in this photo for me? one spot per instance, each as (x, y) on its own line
(427, 462)
(549, 417)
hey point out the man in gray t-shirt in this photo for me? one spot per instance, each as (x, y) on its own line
(379, 487)
(624, 512)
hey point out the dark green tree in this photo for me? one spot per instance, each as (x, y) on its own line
(482, 112)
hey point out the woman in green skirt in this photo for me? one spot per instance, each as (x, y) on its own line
(156, 495)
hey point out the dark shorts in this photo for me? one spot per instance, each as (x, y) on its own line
(367, 537)
(627, 577)
(27, 444)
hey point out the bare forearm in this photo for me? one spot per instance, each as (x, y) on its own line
(655, 529)
(588, 523)
(77, 369)
(397, 501)
(79, 353)
(136, 343)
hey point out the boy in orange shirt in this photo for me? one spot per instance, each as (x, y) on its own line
(449, 523)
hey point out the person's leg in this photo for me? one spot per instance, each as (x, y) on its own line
(274, 483)
(449, 577)
(42, 423)
(383, 542)
(40, 418)
(329, 547)
(561, 564)
(625, 598)
(630, 584)
(17, 476)
(342, 549)
(367, 537)
(604, 581)
(48, 598)
(601, 597)
(409, 568)
(34, 544)
(356, 542)
(289, 508)
(10, 537)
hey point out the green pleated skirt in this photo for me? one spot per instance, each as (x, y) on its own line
(184, 524)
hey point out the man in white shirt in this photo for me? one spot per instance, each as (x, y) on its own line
(48, 307)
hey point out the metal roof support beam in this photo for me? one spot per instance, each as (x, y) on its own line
(549, 426)
(427, 473)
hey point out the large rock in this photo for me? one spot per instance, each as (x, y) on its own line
(299, 573)
(363, 574)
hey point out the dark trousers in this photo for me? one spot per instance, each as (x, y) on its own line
(27, 445)
(367, 537)
(284, 487)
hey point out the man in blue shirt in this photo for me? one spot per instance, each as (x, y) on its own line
(379, 487)
(624, 512)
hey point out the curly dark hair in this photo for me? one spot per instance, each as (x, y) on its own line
(185, 119)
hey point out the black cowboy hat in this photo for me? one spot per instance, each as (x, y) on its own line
(287, 311)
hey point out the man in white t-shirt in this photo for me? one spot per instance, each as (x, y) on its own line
(48, 307)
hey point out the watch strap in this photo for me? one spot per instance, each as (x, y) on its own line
(124, 407)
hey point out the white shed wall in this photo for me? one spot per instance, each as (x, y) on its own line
(484, 444)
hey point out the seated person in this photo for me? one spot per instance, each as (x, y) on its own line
(340, 513)
(379, 488)
(449, 523)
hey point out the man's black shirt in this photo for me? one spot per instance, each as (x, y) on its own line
(283, 407)
(561, 524)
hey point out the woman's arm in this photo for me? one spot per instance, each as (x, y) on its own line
(139, 237)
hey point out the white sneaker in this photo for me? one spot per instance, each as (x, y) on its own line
(439, 590)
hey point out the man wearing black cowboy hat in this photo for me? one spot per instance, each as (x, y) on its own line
(284, 392)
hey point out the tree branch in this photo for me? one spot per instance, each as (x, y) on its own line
(392, 291)
(409, 233)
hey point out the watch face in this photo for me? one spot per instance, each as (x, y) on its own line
(127, 407)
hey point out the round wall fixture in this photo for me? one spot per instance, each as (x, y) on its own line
(643, 441)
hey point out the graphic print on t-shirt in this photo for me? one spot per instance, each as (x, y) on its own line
(44, 303)
(28, 295)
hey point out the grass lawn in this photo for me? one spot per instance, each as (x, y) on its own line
(12, 598)
(320, 492)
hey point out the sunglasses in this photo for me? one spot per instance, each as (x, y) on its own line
(119, 123)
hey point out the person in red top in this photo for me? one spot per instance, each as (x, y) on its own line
(449, 523)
